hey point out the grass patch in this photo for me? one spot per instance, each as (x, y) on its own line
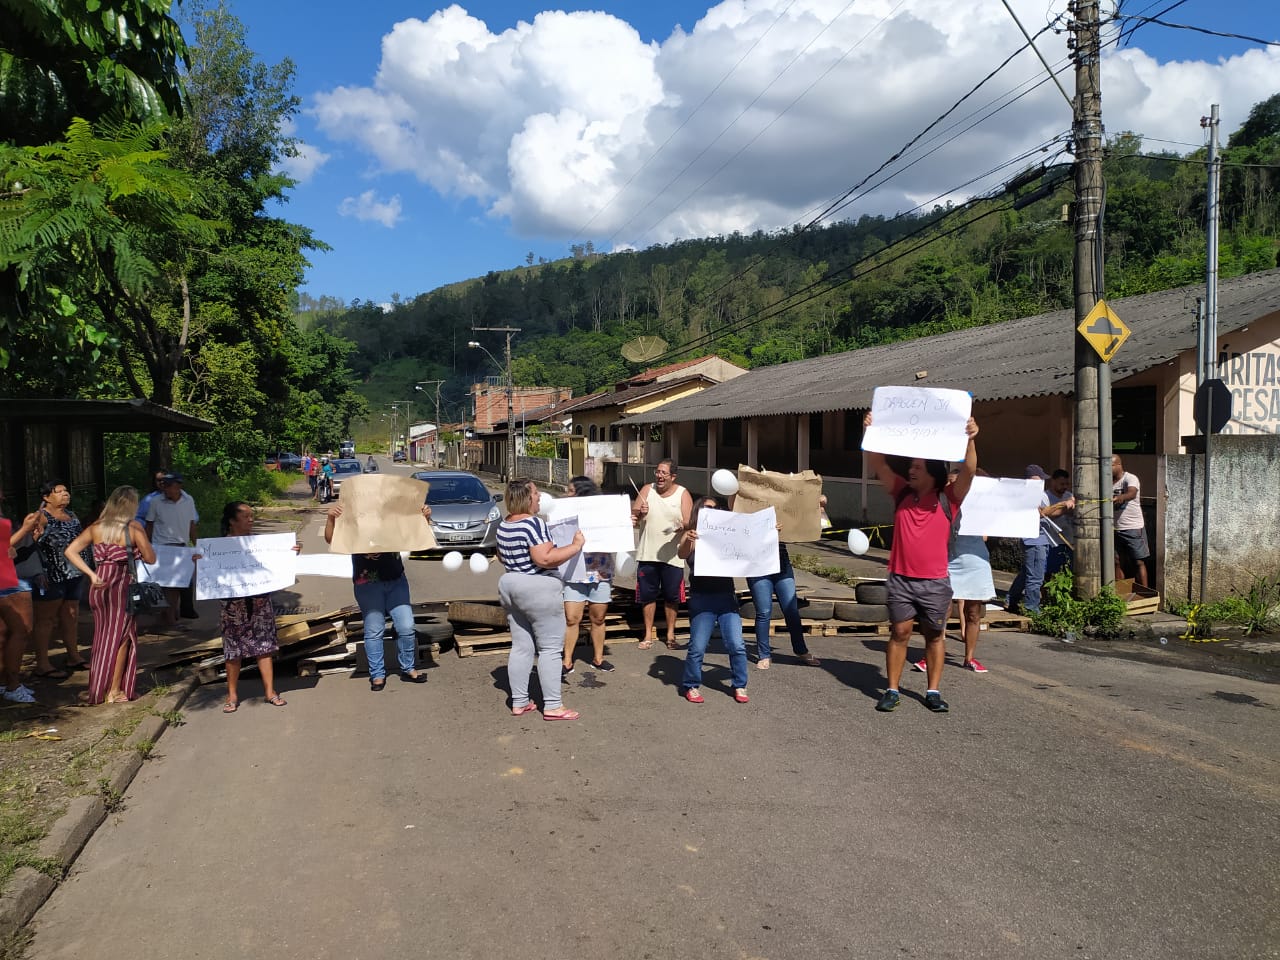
(145, 747)
(810, 563)
(175, 718)
(1256, 610)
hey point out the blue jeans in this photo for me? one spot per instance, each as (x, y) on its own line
(1026, 588)
(1059, 559)
(705, 613)
(376, 599)
(782, 583)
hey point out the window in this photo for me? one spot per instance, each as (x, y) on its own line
(815, 431)
(593, 436)
(731, 433)
(1134, 420)
(700, 433)
(852, 430)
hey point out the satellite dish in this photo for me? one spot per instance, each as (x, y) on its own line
(644, 349)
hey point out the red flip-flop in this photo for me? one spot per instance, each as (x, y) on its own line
(563, 715)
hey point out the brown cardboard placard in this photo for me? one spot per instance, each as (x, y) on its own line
(382, 513)
(793, 495)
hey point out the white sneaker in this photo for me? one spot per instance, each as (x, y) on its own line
(20, 695)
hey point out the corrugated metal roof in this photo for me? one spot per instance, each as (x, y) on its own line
(1028, 357)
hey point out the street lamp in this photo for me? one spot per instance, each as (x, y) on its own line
(511, 433)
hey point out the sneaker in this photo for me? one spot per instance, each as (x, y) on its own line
(921, 665)
(20, 694)
(935, 702)
(975, 666)
(692, 695)
(888, 702)
(604, 666)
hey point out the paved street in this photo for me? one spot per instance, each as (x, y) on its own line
(1069, 806)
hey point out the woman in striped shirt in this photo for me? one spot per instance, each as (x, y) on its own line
(532, 597)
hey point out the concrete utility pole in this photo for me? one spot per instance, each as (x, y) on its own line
(435, 447)
(1092, 454)
(511, 430)
(1209, 334)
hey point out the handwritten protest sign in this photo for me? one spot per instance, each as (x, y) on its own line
(604, 521)
(173, 566)
(245, 566)
(324, 565)
(736, 544)
(382, 513)
(924, 422)
(573, 570)
(1002, 507)
(794, 496)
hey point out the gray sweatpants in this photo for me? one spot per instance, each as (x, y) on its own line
(535, 615)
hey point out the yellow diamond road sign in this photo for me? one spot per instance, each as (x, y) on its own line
(1104, 331)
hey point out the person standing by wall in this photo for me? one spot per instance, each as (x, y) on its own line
(661, 512)
(1130, 525)
(172, 521)
(925, 509)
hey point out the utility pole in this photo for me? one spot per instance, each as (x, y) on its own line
(1209, 332)
(435, 447)
(1092, 454)
(511, 430)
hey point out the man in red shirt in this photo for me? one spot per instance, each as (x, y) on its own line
(925, 507)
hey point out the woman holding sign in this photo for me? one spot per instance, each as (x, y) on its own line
(248, 623)
(533, 597)
(712, 601)
(925, 509)
(113, 671)
(593, 593)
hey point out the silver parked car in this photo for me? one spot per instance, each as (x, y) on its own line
(464, 514)
(343, 469)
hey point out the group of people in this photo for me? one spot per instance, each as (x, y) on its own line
(319, 474)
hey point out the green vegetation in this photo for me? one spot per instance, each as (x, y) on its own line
(1061, 613)
(1257, 610)
(769, 298)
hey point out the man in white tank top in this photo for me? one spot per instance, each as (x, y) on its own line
(661, 512)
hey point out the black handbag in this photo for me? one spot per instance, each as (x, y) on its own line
(144, 596)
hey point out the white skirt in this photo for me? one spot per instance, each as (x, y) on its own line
(970, 570)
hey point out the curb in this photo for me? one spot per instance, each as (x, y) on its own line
(30, 888)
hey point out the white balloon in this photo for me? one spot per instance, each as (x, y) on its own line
(624, 564)
(452, 561)
(724, 482)
(544, 502)
(858, 542)
(479, 563)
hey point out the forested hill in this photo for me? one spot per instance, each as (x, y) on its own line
(770, 298)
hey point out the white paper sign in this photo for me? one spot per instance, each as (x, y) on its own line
(245, 566)
(1002, 507)
(324, 565)
(736, 544)
(573, 570)
(604, 521)
(924, 422)
(173, 566)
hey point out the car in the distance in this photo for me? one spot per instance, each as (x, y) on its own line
(342, 469)
(347, 448)
(464, 514)
(284, 461)
(399, 457)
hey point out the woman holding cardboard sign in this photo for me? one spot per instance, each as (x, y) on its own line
(381, 588)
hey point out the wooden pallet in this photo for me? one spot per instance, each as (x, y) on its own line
(834, 628)
(476, 641)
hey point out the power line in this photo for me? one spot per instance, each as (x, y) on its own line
(1205, 30)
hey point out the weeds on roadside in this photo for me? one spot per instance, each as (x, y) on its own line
(1061, 613)
(112, 799)
(175, 718)
(1257, 610)
(145, 747)
(812, 564)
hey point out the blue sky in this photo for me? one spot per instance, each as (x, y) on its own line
(467, 140)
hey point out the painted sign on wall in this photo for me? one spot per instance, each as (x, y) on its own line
(1254, 381)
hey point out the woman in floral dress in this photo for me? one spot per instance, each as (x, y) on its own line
(113, 671)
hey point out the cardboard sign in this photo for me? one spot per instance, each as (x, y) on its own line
(382, 513)
(923, 422)
(604, 521)
(573, 570)
(245, 566)
(1002, 507)
(173, 566)
(793, 496)
(737, 544)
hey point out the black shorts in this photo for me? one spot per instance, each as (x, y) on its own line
(657, 579)
(64, 590)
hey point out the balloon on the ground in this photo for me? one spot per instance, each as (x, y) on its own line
(452, 561)
(858, 542)
(479, 563)
(724, 482)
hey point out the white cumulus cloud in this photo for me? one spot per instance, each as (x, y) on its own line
(571, 125)
(307, 159)
(368, 207)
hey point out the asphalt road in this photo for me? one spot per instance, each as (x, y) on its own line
(1069, 806)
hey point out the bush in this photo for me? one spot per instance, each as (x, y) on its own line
(1061, 613)
(1256, 610)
